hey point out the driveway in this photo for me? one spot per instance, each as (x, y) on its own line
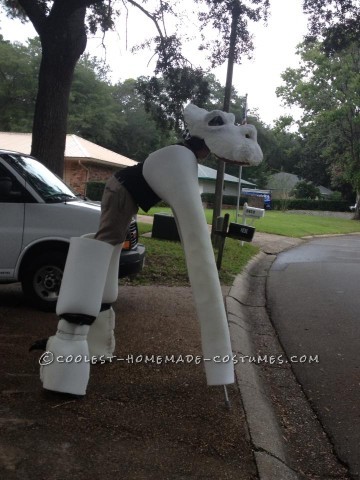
(140, 420)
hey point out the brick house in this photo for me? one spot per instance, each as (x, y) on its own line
(84, 161)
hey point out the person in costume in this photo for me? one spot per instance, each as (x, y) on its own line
(90, 279)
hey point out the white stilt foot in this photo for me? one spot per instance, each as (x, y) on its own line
(65, 367)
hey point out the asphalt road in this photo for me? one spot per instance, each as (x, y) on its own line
(314, 302)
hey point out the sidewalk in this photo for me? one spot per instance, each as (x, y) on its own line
(146, 419)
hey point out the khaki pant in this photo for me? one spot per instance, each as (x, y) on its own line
(117, 209)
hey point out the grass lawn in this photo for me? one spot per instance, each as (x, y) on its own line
(290, 224)
(301, 225)
(165, 262)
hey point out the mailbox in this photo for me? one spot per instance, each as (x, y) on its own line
(164, 227)
(252, 212)
(241, 232)
(244, 233)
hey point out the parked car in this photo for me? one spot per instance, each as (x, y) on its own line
(38, 215)
(265, 195)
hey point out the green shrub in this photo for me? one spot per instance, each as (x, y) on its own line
(305, 189)
(307, 204)
(94, 190)
(209, 198)
(335, 196)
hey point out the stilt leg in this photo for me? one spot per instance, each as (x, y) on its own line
(178, 185)
(78, 305)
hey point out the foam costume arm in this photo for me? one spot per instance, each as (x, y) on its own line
(172, 174)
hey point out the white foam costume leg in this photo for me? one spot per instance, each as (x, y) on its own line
(101, 338)
(79, 300)
(172, 174)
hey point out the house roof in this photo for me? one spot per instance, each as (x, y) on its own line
(287, 181)
(283, 181)
(76, 148)
(324, 190)
(207, 173)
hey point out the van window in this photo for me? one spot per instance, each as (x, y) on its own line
(10, 189)
(50, 187)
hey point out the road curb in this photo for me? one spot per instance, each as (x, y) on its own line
(247, 294)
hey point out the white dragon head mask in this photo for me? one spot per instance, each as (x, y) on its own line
(230, 142)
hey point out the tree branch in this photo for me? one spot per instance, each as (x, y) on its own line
(35, 13)
(148, 14)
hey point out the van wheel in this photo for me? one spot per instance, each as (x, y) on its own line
(41, 280)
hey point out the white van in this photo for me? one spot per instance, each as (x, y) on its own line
(38, 215)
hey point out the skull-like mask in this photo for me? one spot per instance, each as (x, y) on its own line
(230, 142)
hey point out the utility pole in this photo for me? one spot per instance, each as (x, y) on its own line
(240, 168)
(227, 97)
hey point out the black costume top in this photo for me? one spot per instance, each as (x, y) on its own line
(133, 180)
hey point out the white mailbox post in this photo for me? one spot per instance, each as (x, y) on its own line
(252, 213)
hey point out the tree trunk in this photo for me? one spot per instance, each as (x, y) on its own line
(63, 41)
(219, 185)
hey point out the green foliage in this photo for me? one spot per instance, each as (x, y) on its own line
(180, 82)
(93, 113)
(327, 88)
(139, 133)
(336, 196)
(284, 147)
(209, 199)
(305, 189)
(95, 190)
(99, 15)
(164, 97)
(19, 65)
(220, 16)
(336, 22)
(110, 115)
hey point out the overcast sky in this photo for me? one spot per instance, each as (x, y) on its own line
(275, 46)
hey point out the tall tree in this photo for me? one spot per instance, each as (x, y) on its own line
(335, 22)
(165, 95)
(93, 112)
(231, 19)
(219, 17)
(139, 134)
(19, 66)
(328, 90)
(60, 25)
